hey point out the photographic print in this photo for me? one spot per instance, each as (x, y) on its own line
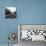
(10, 12)
(31, 33)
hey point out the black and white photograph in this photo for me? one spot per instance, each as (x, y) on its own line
(10, 12)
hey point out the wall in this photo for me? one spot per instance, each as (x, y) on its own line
(28, 12)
